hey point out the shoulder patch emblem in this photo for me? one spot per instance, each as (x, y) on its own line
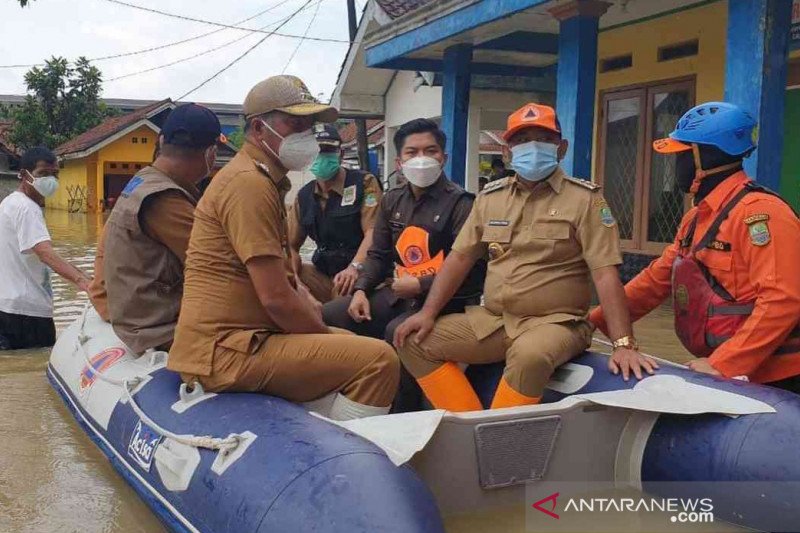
(583, 183)
(495, 185)
(132, 185)
(606, 216)
(759, 217)
(370, 200)
(759, 233)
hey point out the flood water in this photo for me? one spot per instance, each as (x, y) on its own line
(52, 477)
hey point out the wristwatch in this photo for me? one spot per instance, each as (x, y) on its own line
(358, 266)
(626, 342)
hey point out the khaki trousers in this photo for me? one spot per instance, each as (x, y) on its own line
(530, 358)
(305, 367)
(319, 285)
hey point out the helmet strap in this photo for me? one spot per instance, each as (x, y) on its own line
(700, 174)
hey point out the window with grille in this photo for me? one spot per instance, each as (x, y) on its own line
(639, 184)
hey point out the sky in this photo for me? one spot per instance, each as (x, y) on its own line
(95, 28)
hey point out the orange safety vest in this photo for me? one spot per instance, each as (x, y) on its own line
(412, 247)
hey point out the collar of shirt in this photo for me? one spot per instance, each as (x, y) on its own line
(435, 191)
(274, 168)
(555, 181)
(338, 188)
(186, 185)
(723, 192)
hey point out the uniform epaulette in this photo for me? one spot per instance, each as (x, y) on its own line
(583, 183)
(495, 185)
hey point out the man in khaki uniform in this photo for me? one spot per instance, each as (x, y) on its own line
(337, 211)
(244, 325)
(548, 236)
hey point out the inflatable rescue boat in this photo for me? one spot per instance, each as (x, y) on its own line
(254, 463)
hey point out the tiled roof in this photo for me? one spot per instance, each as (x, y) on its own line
(107, 128)
(398, 8)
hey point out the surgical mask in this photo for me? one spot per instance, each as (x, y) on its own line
(297, 151)
(326, 166)
(422, 171)
(534, 160)
(44, 185)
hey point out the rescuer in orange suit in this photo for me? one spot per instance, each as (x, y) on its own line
(415, 228)
(732, 270)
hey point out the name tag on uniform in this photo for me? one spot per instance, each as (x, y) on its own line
(500, 223)
(349, 195)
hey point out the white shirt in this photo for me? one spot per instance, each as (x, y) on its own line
(24, 279)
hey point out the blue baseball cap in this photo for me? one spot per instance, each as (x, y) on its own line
(191, 125)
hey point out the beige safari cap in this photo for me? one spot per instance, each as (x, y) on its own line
(288, 94)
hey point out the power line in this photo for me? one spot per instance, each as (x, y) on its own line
(219, 24)
(205, 52)
(301, 41)
(229, 65)
(161, 47)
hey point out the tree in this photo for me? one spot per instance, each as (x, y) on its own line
(236, 138)
(63, 101)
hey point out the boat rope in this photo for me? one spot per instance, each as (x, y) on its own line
(224, 444)
(659, 359)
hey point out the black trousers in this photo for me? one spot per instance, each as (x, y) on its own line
(791, 384)
(388, 312)
(21, 331)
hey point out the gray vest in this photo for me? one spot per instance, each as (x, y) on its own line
(144, 279)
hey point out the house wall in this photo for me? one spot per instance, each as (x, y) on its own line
(71, 177)
(124, 149)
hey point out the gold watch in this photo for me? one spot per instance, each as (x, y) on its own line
(626, 342)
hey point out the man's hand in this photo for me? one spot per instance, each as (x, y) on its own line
(407, 287)
(420, 323)
(315, 304)
(343, 281)
(702, 364)
(627, 361)
(359, 307)
(83, 284)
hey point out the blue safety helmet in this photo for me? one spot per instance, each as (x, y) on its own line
(720, 124)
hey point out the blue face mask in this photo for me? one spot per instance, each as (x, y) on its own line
(534, 160)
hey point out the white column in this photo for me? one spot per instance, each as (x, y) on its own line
(389, 153)
(473, 148)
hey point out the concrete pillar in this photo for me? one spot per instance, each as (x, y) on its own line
(455, 108)
(755, 77)
(576, 80)
(473, 148)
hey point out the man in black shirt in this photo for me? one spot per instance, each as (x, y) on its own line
(416, 226)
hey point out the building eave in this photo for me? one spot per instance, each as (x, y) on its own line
(110, 139)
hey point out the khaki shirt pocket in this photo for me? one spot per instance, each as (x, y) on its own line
(498, 240)
(549, 241)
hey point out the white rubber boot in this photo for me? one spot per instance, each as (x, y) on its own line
(346, 409)
(321, 406)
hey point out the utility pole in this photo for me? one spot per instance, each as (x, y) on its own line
(361, 124)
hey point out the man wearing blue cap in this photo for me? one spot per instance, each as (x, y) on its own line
(147, 234)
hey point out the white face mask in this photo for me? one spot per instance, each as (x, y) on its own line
(422, 171)
(44, 185)
(297, 151)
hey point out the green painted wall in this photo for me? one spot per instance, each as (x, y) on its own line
(790, 177)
